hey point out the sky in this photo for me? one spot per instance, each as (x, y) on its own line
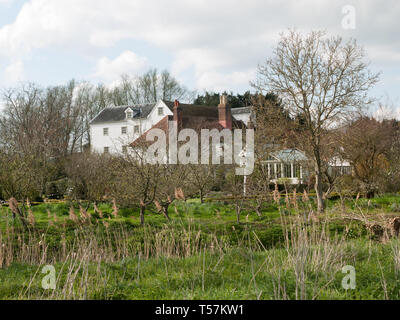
(206, 45)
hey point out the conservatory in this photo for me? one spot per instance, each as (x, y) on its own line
(287, 165)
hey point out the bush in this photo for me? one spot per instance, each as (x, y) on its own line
(348, 185)
(56, 189)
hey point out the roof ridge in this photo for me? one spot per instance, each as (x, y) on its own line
(115, 113)
(154, 126)
(134, 105)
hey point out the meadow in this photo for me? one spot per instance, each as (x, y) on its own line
(202, 253)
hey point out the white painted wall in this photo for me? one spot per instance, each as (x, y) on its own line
(115, 139)
(338, 162)
(153, 117)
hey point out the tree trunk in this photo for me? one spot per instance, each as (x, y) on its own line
(318, 182)
(165, 211)
(319, 192)
(201, 196)
(238, 214)
(21, 215)
(142, 208)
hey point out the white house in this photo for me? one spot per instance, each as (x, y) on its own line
(339, 166)
(114, 128)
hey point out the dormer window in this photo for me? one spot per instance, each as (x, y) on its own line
(161, 111)
(129, 113)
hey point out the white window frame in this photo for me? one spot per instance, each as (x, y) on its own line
(105, 131)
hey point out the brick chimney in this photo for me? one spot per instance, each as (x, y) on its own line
(224, 113)
(178, 114)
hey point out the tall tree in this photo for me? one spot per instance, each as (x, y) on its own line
(323, 78)
(209, 98)
(366, 143)
(148, 88)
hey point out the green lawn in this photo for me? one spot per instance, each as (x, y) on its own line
(201, 254)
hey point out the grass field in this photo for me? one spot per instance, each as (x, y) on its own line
(202, 253)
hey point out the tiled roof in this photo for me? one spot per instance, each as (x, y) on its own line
(162, 124)
(193, 110)
(111, 114)
(193, 122)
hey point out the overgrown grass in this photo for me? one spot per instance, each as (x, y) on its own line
(235, 274)
(202, 253)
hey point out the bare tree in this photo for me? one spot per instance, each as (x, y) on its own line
(53, 122)
(234, 185)
(147, 88)
(366, 143)
(201, 177)
(20, 176)
(136, 180)
(89, 175)
(171, 180)
(323, 79)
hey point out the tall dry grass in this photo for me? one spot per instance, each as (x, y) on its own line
(109, 243)
(309, 257)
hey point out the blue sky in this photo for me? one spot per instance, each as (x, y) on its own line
(207, 45)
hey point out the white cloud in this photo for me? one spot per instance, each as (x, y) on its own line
(216, 81)
(384, 54)
(220, 40)
(126, 63)
(14, 73)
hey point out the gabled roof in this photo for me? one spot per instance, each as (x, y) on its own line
(112, 114)
(289, 155)
(193, 110)
(195, 117)
(163, 124)
(117, 113)
(201, 116)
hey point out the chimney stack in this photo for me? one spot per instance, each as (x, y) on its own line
(178, 114)
(224, 112)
